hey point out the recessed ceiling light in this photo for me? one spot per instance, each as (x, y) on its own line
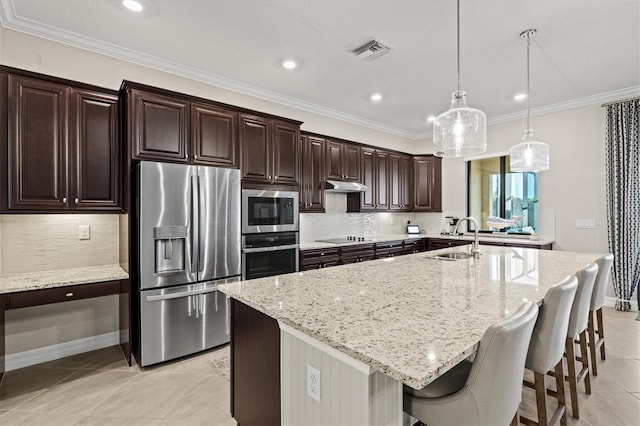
(289, 65)
(376, 97)
(133, 5)
(520, 96)
(431, 118)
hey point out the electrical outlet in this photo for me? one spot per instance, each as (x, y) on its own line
(84, 232)
(585, 223)
(313, 382)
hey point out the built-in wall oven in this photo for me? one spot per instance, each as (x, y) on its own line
(270, 239)
(269, 254)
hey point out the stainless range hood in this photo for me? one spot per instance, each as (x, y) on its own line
(337, 186)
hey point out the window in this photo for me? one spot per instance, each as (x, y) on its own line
(502, 201)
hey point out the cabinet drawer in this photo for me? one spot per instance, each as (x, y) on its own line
(25, 299)
(318, 253)
(437, 243)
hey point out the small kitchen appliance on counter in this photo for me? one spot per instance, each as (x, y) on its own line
(451, 222)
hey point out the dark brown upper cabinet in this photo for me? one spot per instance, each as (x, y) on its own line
(95, 151)
(427, 195)
(269, 151)
(375, 175)
(158, 126)
(343, 161)
(400, 183)
(214, 136)
(63, 147)
(313, 174)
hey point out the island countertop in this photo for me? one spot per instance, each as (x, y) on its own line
(411, 317)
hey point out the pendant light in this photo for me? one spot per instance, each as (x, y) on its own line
(461, 131)
(530, 155)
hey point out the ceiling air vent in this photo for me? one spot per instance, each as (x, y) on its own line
(371, 50)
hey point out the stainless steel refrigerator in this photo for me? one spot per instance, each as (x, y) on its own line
(188, 230)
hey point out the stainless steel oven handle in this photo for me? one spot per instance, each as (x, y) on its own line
(274, 248)
(181, 294)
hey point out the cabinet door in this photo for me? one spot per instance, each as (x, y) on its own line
(285, 154)
(37, 144)
(369, 197)
(255, 143)
(406, 183)
(213, 136)
(351, 162)
(427, 196)
(381, 165)
(334, 160)
(94, 151)
(313, 174)
(395, 184)
(159, 127)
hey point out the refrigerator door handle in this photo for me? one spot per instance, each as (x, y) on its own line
(160, 297)
(195, 224)
(201, 216)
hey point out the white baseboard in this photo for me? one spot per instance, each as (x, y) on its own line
(53, 352)
(611, 302)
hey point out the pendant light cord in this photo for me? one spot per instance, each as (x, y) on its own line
(458, 37)
(528, 82)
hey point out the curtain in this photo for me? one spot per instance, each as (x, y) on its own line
(623, 198)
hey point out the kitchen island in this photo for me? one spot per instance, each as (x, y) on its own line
(368, 328)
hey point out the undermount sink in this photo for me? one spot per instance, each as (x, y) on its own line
(451, 256)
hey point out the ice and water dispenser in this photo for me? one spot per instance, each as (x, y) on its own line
(170, 244)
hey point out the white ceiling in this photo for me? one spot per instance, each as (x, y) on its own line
(585, 50)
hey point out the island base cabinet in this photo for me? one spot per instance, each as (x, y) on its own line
(255, 366)
(350, 392)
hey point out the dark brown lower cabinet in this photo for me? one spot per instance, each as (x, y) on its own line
(319, 258)
(440, 243)
(357, 253)
(255, 366)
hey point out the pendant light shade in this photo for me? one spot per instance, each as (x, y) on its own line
(461, 131)
(530, 155)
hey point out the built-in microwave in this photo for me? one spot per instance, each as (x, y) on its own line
(269, 211)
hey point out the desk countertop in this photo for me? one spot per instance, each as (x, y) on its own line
(411, 317)
(60, 278)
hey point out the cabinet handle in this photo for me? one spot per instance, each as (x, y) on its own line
(76, 201)
(64, 200)
(195, 156)
(269, 177)
(69, 294)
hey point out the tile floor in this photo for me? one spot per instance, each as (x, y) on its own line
(98, 388)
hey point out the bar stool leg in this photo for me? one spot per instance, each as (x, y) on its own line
(593, 343)
(541, 400)
(571, 367)
(514, 421)
(585, 361)
(562, 404)
(601, 333)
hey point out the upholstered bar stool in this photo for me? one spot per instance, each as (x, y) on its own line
(547, 347)
(578, 330)
(487, 391)
(597, 302)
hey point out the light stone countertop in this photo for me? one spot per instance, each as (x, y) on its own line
(60, 278)
(411, 317)
(308, 245)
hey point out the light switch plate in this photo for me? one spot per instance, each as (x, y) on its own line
(585, 223)
(84, 232)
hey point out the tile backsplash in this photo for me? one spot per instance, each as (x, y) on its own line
(335, 222)
(30, 243)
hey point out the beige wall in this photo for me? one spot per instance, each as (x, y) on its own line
(574, 186)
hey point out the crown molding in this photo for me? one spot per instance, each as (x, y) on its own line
(10, 20)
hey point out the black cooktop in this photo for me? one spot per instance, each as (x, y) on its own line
(346, 240)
